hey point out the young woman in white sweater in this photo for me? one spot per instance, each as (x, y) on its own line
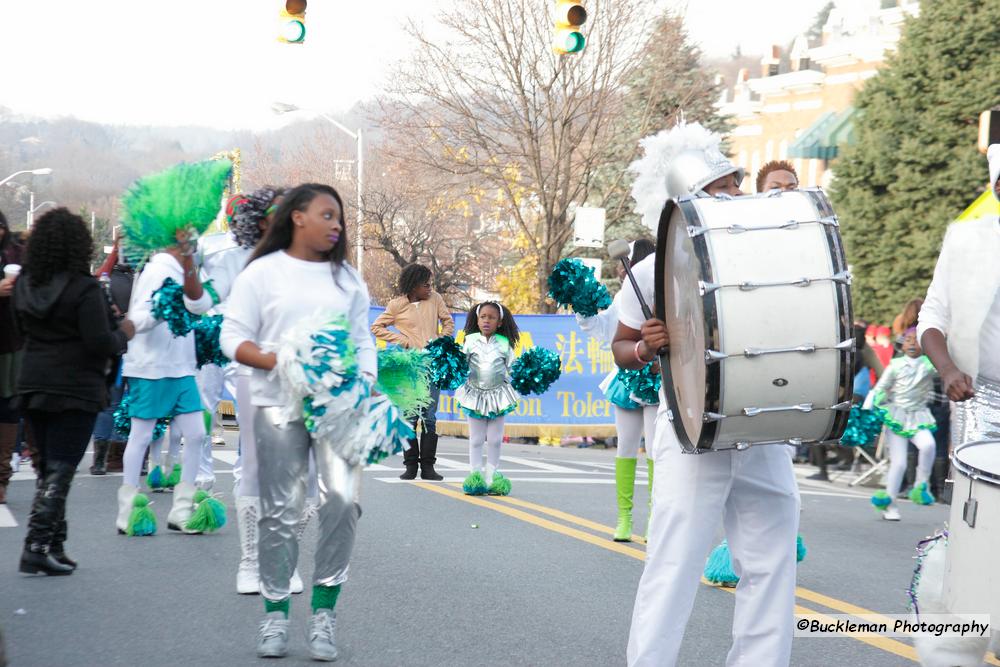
(297, 270)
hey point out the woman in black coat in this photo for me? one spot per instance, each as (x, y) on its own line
(70, 339)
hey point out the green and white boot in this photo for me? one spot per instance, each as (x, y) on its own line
(475, 484)
(499, 485)
(625, 491)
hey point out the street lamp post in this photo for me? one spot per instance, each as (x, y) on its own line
(44, 171)
(32, 208)
(358, 136)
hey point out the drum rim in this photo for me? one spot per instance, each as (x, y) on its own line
(971, 471)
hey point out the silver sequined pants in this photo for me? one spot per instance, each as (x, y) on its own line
(283, 460)
(979, 417)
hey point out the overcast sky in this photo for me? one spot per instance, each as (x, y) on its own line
(216, 63)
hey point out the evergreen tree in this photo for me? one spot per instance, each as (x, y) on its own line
(915, 166)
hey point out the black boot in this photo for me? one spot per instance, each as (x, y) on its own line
(100, 465)
(57, 550)
(47, 511)
(428, 456)
(411, 456)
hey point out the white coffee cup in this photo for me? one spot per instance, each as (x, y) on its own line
(11, 270)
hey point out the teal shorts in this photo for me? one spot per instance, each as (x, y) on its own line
(166, 397)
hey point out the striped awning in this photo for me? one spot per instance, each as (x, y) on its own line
(822, 139)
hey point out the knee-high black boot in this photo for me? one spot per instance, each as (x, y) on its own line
(428, 456)
(47, 511)
(411, 456)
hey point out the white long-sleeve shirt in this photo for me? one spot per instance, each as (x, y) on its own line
(155, 352)
(221, 260)
(962, 299)
(273, 293)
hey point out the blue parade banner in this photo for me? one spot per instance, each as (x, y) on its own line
(573, 405)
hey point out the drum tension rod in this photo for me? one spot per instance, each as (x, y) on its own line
(843, 278)
(753, 412)
(714, 356)
(828, 221)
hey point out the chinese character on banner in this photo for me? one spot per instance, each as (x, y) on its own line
(600, 357)
(568, 352)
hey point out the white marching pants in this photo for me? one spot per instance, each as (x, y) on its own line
(926, 450)
(631, 426)
(755, 495)
(211, 379)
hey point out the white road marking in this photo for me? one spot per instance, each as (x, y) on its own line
(7, 519)
(530, 463)
(554, 480)
(228, 456)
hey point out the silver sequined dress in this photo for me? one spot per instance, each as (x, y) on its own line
(487, 393)
(903, 393)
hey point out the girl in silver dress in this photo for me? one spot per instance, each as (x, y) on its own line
(487, 396)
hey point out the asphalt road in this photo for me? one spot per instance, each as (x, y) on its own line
(437, 578)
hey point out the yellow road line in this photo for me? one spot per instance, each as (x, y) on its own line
(883, 643)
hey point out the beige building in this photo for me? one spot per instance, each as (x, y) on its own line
(798, 108)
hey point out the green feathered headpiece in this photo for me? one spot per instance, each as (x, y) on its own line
(184, 196)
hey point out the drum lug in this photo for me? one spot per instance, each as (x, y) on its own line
(844, 278)
(714, 356)
(846, 345)
(712, 417)
(830, 221)
(694, 232)
(843, 407)
(707, 288)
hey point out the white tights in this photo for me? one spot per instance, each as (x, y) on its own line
(190, 426)
(924, 441)
(490, 433)
(173, 449)
(631, 426)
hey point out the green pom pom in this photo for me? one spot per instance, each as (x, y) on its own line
(921, 495)
(206, 341)
(209, 514)
(141, 521)
(168, 305)
(184, 196)
(155, 478)
(572, 283)
(448, 365)
(404, 376)
(174, 478)
(474, 484)
(643, 385)
(881, 500)
(719, 567)
(500, 485)
(800, 549)
(535, 371)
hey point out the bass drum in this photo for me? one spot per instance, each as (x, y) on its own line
(755, 293)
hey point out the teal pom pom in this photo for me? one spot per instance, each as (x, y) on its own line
(535, 371)
(141, 521)
(181, 197)
(155, 478)
(572, 283)
(500, 485)
(881, 500)
(719, 567)
(863, 427)
(447, 364)
(921, 495)
(403, 376)
(800, 549)
(209, 514)
(168, 305)
(121, 419)
(643, 385)
(475, 484)
(160, 429)
(206, 341)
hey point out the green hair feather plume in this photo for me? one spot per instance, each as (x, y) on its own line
(183, 196)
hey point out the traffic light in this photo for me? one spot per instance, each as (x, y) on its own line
(293, 22)
(569, 17)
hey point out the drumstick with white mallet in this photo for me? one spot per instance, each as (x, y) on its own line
(619, 250)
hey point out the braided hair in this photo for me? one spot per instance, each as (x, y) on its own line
(506, 328)
(248, 213)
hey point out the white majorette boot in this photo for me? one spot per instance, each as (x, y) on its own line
(247, 574)
(126, 495)
(182, 509)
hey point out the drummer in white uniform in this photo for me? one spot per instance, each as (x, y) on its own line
(753, 491)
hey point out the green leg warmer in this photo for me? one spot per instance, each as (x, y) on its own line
(625, 490)
(278, 605)
(325, 597)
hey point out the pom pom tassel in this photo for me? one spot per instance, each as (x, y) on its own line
(572, 283)
(719, 567)
(642, 385)
(404, 376)
(141, 521)
(168, 305)
(206, 341)
(174, 478)
(209, 514)
(921, 495)
(475, 484)
(500, 485)
(881, 500)
(800, 549)
(535, 371)
(447, 364)
(155, 479)
(863, 427)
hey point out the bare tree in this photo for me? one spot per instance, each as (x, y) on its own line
(491, 102)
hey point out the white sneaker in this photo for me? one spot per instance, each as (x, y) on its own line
(891, 513)
(295, 585)
(320, 636)
(272, 636)
(247, 578)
